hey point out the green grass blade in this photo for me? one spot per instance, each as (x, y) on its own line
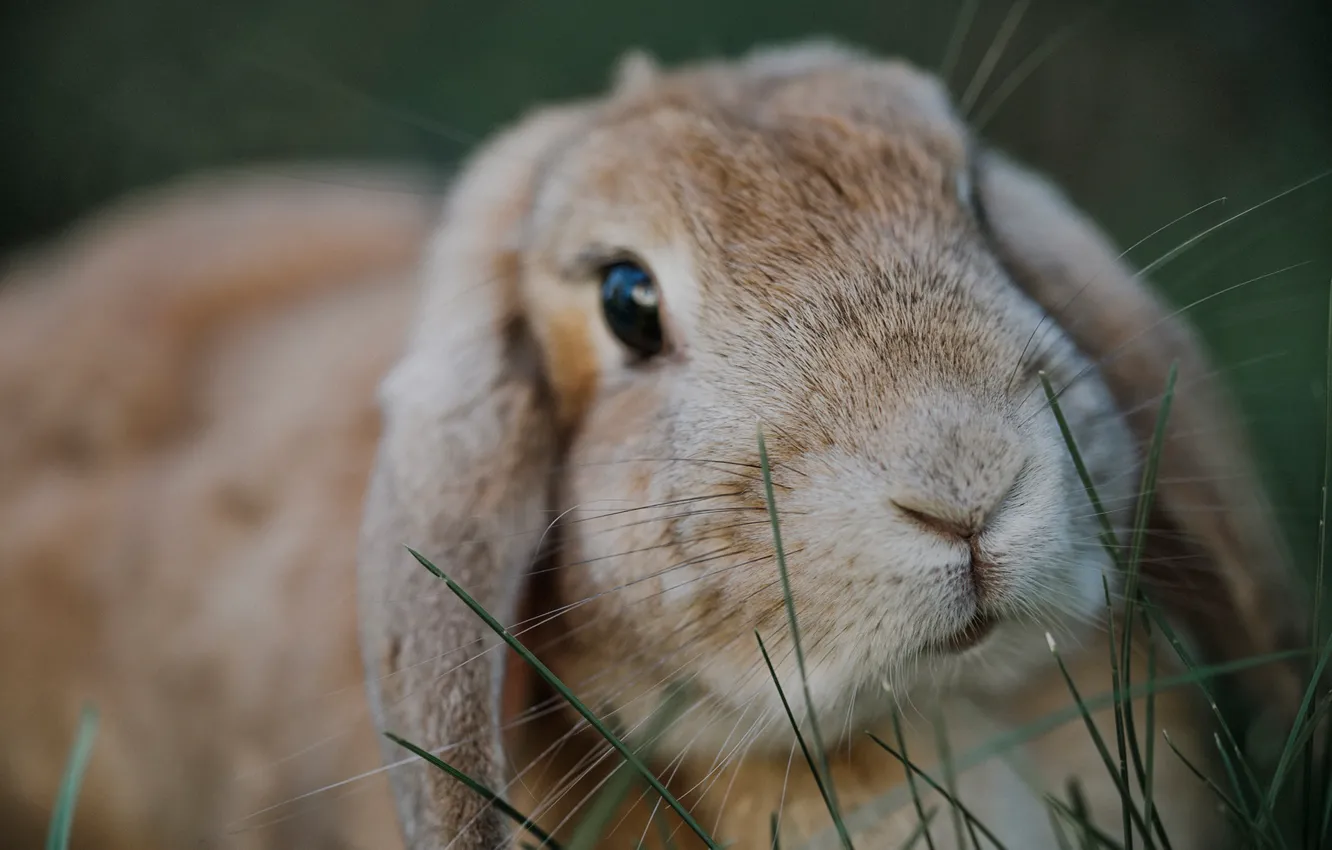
(1126, 737)
(1185, 658)
(1322, 758)
(1258, 834)
(593, 824)
(563, 689)
(1150, 773)
(1077, 810)
(62, 814)
(1230, 771)
(1132, 592)
(1011, 739)
(1316, 615)
(1220, 793)
(1057, 827)
(1107, 533)
(911, 777)
(1147, 492)
(1288, 751)
(1124, 792)
(479, 789)
(666, 834)
(911, 768)
(1119, 703)
(1254, 786)
(1055, 719)
(1327, 820)
(1306, 731)
(1091, 837)
(922, 829)
(819, 780)
(950, 782)
(819, 747)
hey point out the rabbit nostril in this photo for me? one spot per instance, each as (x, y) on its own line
(980, 570)
(939, 524)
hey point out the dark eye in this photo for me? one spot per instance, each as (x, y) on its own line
(629, 300)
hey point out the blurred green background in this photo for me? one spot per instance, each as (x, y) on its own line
(1145, 112)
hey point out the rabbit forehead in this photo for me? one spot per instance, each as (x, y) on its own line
(769, 137)
(807, 232)
(804, 137)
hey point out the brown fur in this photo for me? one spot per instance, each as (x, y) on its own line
(196, 421)
(186, 438)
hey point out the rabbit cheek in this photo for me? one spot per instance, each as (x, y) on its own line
(617, 504)
(1055, 536)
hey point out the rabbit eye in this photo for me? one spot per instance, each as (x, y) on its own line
(630, 302)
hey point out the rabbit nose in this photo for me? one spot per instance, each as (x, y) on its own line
(962, 466)
(940, 519)
(966, 528)
(966, 516)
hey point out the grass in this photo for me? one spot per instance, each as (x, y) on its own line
(1252, 804)
(62, 813)
(825, 781)
(596, 723)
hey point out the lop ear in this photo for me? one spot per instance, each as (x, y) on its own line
(464, 475)
(1215, 560)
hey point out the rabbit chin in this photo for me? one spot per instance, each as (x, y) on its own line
(850, 698)
(864, 677)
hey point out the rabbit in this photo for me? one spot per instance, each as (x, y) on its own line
(237, 405)
(804, 243)
(186, 436)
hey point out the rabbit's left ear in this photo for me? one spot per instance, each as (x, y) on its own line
(1215, 560)
(465, 473)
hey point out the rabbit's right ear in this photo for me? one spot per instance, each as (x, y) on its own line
(1214, 557)
(464, 475)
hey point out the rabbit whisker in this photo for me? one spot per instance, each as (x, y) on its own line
(991, 58)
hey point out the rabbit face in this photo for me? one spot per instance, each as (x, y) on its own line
(697, 273)
(808, 243)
